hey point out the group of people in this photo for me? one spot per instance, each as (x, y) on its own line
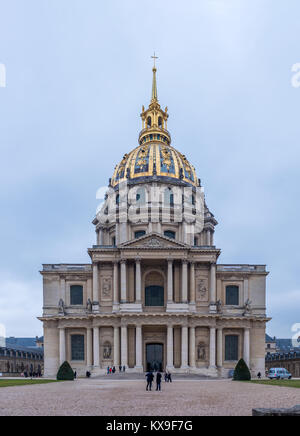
(31, 374)
(150, 378)
(112, 369)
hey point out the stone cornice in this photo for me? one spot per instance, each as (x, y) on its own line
(163, 318)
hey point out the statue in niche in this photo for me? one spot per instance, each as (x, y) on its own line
(61, 307)
(89, 305)
(201, 351)
(247, 307)
(107, 350)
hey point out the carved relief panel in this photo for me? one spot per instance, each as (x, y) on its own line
(202, 289)
(106, 288)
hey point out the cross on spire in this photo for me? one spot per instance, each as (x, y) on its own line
(154, 58)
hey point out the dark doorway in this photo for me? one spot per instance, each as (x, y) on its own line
(154, 357)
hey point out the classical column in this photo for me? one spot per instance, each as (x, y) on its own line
(220, 348)
(170, 348)
(192, 347)
(184, 280)
(123, 282)
(138, 347)
(208, 241)
(116, 346)
(246, 290)
(192, 284)
(212, 348)
(170, 281)
(89, 347)
(213, 291)
(124, 352)
(96, 347)
(184, 347)
(116, 283)
(101, 238)
(95, 288)
(62, 345)
(138, 282)
(63, 288)
(247, 346)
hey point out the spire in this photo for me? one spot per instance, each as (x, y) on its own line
(154, 85)
(154, 119)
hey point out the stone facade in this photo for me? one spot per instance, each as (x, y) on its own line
(289, 361)
(154, 284)
(15, 360)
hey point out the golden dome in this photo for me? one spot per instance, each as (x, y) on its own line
(154, 158)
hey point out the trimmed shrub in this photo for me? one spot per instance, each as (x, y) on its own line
(241, 371)
(65, 372)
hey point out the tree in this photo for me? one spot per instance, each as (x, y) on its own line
(241, 371)
(65, 372)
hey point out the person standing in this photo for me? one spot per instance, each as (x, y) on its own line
(158, 381)
(169, 377)
(149, 377)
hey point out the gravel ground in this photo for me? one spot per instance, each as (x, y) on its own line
(129, 397)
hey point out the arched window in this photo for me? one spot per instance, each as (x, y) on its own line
(76, 295)
(77, 347)
(170, 234)
(149, 122)
(139, 234)
(232, 295)
(195, 241)
(159, 121)
(231, 348)
(169, 197)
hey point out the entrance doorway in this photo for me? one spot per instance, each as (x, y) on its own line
(154, 357)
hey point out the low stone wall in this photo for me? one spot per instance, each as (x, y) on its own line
(294, 411)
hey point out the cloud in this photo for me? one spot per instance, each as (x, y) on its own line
(20, 304)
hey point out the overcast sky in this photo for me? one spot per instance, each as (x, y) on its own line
(77, 75)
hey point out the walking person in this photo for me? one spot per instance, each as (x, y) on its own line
(149, 377)
(158, 381)
(166, 377)
(124, 368)
(169, 377)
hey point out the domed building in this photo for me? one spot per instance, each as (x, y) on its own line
(154, 296)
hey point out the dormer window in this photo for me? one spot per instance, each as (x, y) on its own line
(170, 234)
(139, 234)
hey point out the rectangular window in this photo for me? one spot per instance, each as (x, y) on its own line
(232, 295)
(76, 292)
(77, 347)
(231, 347)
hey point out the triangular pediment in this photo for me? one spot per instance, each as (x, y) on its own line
(153, 240)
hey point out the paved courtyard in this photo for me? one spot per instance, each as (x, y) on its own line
(128, 397)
